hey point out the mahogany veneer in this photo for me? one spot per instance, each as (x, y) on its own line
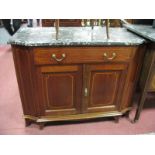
(72, 83)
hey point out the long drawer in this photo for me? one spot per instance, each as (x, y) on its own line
(82, 55)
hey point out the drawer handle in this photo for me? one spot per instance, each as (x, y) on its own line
(55, 58)
(85, 92)
(110, 58)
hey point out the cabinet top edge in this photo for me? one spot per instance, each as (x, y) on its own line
(74, 36)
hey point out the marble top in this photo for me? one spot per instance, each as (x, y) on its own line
(145, 31)
(74, 36)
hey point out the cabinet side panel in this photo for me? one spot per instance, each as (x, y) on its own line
(133, 76)
(23, 72)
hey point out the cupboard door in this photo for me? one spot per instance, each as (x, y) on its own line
(105, 86)
(61, 89)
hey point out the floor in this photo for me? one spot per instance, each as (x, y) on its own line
(11, 114)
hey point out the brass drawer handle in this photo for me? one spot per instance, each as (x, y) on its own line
(85, 92)
(110, 58)
(55, 58)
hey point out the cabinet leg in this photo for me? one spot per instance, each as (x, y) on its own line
(116, 118)
(127, 116)
(133, 121)
(27, 122)
(41, 125)
(140, 106)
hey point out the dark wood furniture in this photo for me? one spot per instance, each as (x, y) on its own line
(78, 22)
(74, 83)
(147, 77)
(117, 23)
(147, 80)
(63, 22)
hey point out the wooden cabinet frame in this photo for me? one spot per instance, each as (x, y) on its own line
(36, 79)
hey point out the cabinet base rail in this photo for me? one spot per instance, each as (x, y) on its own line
(45, 119)
(85, 116)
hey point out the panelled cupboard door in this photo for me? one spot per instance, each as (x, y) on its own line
(104, 87)
(62, 88)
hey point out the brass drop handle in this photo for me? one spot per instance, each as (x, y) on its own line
(110, 58)
(55, 58)
(85, 92)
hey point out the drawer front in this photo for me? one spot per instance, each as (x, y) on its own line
(82, 55)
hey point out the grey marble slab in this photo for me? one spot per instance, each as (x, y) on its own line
(74, 36)
(145, 31)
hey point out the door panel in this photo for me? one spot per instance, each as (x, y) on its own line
(62, 86)
(105, 85)
(103, 95)
(59, 87)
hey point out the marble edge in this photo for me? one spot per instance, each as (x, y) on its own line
(62, 44)
(130, 28)
(109, 42)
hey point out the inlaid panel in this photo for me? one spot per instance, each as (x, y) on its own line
(62, 88)
(59, 90)
(105, 86)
